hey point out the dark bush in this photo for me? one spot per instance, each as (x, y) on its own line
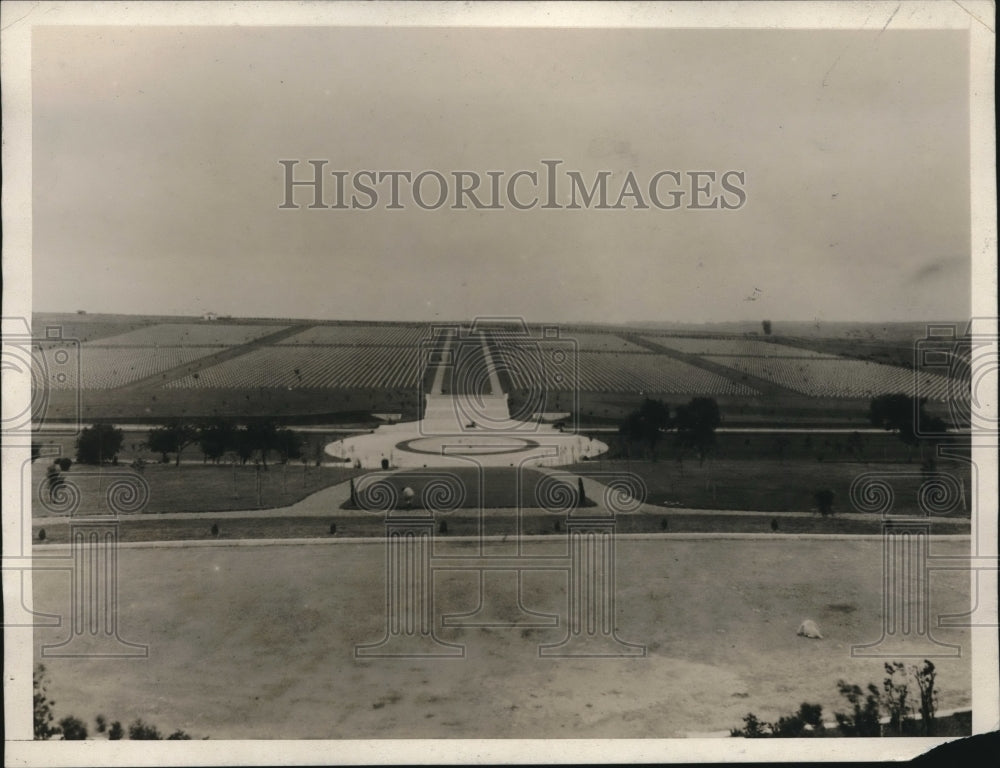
(42, 705)
(824, 501)
(139, 731)
(73, 729)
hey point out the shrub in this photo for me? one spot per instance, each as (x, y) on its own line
(42, 705)
(824, 501)
(115, 732)
(64, 463)
(73, 729)
(808, 721)
(41, 534)
(752, 728)
(215, 529)
(139, 730)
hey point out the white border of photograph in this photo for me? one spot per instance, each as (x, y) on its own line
(18, 21)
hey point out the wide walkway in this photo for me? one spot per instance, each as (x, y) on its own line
(469, 423)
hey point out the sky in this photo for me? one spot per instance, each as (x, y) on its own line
(157, 183)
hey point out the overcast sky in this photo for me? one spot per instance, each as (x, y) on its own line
(157, 183)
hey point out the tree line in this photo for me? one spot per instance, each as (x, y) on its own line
(257, 440)
(693, 424)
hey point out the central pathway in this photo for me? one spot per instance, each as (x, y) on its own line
(442, 353)
(491, 370)
(466, 420)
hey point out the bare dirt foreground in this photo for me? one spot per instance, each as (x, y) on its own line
(258, 642)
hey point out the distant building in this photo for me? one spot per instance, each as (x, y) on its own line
(209, 316)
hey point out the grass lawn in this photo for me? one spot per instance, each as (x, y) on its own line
(194, 487)
(358, 524)
(473, 488)
(258, 642)
(768, 485)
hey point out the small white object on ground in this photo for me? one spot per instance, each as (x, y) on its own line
(808, 628)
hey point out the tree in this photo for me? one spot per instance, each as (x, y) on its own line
(64, 463)
(766, 325)
(73, 729)
(696, 424)
(901, 414)
(262, 437)
(217, 438)
(894, 697)
(42, 705)
(243, 444)
(647, 424)
(925, 676)
(98, 443)
(863, 720)
(172, 438)
(115, 731)
(288, 444)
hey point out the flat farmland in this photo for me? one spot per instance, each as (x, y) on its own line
(258, 642)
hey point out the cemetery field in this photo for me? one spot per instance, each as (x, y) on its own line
(258, 642)
(132, 367)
